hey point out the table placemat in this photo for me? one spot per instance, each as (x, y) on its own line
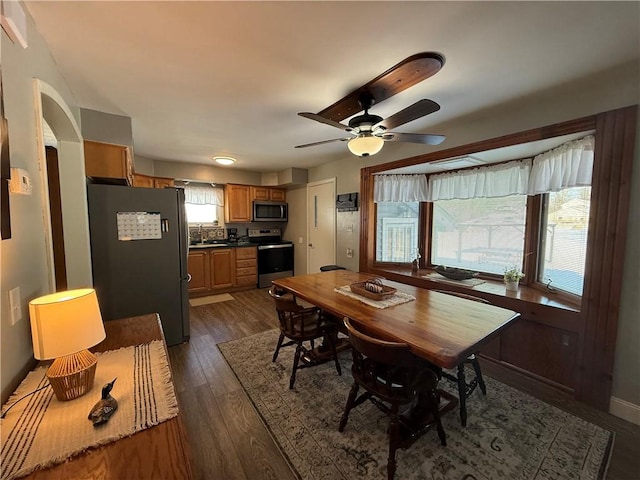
(42, 431)
(469, 283)
(396, 299)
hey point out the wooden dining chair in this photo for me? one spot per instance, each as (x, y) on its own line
(466, 387)
(392, 377)
(302, 325)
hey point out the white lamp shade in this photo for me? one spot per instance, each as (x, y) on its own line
(365, 145)
(65, 322)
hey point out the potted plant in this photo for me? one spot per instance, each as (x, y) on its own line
(512, 277)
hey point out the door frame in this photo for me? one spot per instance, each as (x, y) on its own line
(331, 181)
(49, 106)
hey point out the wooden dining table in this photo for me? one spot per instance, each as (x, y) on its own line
(442, 329)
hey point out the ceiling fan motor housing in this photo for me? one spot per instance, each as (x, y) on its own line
(367, 121)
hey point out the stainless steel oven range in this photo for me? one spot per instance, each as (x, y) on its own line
(275, 256)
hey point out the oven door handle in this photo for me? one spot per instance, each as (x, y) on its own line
(265, 247)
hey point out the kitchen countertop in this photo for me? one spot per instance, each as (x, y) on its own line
(222, 245)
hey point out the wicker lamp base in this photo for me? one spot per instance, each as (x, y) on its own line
(72, 376)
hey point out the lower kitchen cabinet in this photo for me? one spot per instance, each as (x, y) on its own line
(218, 270)
(246, 266)
(198, 269)
(221, 261)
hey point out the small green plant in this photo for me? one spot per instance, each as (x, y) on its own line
(513, 274)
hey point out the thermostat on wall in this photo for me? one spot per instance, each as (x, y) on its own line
(20, 182)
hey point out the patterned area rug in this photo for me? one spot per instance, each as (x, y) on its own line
(509, 434)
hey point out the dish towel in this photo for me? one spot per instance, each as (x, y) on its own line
(42, 431)
(396, 299)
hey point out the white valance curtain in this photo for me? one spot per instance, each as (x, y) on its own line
(204, 195)
(569, 165)
(400, 188)
(510, 178)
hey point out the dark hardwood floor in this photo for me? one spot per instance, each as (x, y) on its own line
(227, 437)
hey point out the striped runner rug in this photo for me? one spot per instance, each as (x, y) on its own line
(41, 431)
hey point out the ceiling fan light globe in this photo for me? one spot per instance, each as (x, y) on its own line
(365, 145)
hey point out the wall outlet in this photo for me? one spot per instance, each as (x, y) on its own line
(14, 305)
(349, 252)
(300, 240)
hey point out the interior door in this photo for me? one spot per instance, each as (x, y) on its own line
(321, 224)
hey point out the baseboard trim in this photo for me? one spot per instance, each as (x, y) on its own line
(626, 410)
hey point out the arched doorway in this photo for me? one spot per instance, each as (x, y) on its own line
(76, 258)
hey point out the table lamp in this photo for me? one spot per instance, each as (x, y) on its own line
(63, 326)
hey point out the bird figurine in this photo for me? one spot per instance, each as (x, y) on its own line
(104, 408)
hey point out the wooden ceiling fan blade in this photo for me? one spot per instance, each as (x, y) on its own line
(326, 121)
(405, 74)
(419, 109)
(425, 138)
(345, 139)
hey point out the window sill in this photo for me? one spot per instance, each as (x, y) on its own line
(488, 289)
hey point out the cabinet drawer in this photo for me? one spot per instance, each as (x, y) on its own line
(246, 263)
(241, 272)
(244, 253)
(248, 280)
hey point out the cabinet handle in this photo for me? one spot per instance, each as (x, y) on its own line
(188, 277)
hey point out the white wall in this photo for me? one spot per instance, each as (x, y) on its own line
(24, 256)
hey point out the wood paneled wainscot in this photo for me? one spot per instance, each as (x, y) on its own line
(108, 163)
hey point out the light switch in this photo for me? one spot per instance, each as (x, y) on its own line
(14, 305)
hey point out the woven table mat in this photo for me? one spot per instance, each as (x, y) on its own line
(42, 431)
(396, 299)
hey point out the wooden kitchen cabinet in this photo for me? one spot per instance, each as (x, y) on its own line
(268, 193)
(147, 181)
(140, 180)
(162, 182)
(198, 270)
(217, 270)
(246, 266)
(220, 266)
(237, 203)
(108, 163)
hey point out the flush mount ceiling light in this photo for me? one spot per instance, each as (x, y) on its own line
(225, 160)
(365, 145)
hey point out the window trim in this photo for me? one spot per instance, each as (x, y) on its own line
(595, 324)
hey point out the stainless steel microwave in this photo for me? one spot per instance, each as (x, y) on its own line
(269, 211)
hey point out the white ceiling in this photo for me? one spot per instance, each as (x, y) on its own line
(208, 78)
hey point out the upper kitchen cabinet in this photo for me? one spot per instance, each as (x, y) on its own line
(162, 182)
(268, 193)
(237, 203)
(108, 163)
(147, 181)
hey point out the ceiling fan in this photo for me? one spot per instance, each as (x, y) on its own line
(368, 132)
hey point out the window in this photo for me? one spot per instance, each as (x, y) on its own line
(481, 234)
(202, 202)
(397, 231)
(563, 247)
(206, 213)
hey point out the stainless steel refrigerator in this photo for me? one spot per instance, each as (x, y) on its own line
(139, 254)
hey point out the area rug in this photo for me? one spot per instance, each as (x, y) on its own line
(223, 297)
(42, 431)
(509, 434)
